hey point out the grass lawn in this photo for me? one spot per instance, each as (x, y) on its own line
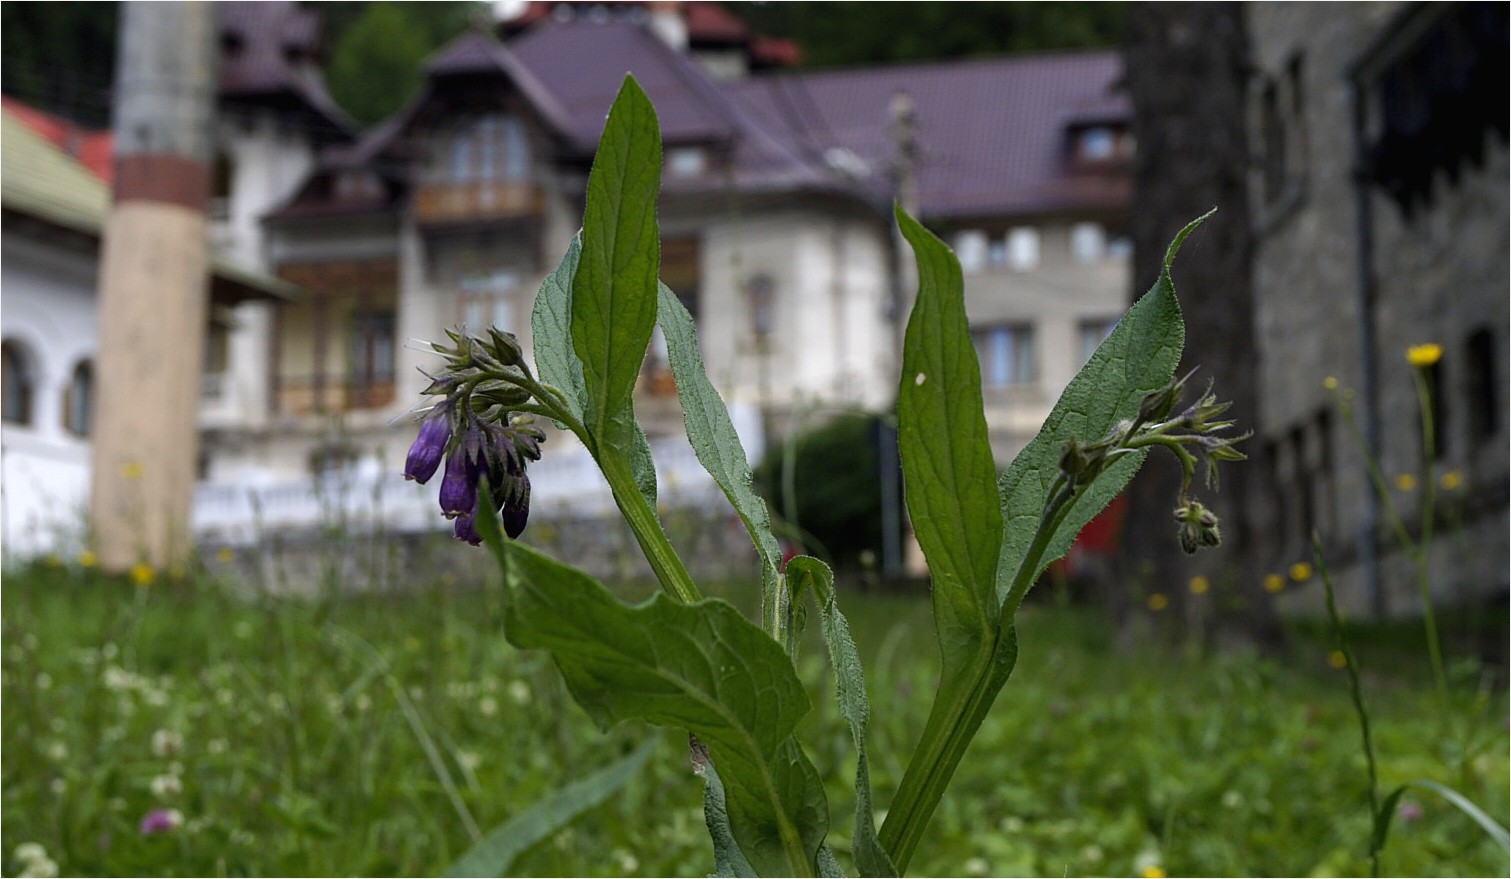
(375, 734)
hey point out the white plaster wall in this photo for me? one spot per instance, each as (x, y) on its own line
(48, 305)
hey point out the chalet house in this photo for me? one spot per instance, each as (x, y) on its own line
(775, 220)
(1380, 223)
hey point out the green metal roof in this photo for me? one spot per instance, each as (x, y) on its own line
(42, 181)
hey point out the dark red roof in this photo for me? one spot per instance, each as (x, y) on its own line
(269, 54)
(991, 134)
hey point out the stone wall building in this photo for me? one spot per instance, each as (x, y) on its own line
(1380, 219)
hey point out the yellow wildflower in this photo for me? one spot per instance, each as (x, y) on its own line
(225, 555)
(1330, 383)
(1337, 659)
(1274, 583)
(87, 559)
(1152, 872)
(1158, 602)
(1451, 480)
(131, 470)
(1406, 482)
(141, 574)
(1424, 355)
(1301, 572)
(1199, 585)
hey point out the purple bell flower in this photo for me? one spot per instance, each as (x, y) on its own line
(459, 485)
(516, 510)
(429, 447)
(465, 529)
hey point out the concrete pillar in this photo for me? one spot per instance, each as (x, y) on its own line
(153, 287)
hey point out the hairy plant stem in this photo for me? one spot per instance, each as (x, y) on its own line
(642, 518)
(951, 727)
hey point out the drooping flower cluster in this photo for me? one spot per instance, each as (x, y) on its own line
(476, 430)
(1158, 424)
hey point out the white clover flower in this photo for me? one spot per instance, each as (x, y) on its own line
(165, 786)
(977, 867)
(362, 702)
(27, 852)
(628, 863)
(167, 742)
(224, 696)
(519, 691)
(44, 681)
(59, 786)
(57, 752)
(216, 746)
(43, 868)
(488, 706)
(468, 760)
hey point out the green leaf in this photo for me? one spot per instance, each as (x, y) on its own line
(947, 467)
(614, 289)
(1139, 356)
(713, 435)
(556, 362)
(700, 667)
(1492, 828)
(850, 691)
(729, 861)
(494, 854)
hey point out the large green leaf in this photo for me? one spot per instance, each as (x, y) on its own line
(729, 861)
(556, 362)
(713, 435)
(495, 853)
(850, 691)
(1137, 357)
(947, 467)
(701, 667)
(614, 289)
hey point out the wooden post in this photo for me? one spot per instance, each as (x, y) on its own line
(153, 287)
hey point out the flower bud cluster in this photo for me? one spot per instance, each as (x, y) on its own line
(1187, 433)
(475, 428)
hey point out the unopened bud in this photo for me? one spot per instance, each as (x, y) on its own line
(505, 347)
(1198, 527)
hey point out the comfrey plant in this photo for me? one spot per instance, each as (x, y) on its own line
(692, 663)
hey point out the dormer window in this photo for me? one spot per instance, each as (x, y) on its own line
(686, 161)
(484, 149)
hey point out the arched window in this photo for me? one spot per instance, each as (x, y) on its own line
(78, 399)
(20, 381)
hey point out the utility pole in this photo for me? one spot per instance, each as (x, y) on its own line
(153, 286)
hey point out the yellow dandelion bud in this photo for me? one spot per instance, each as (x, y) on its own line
(1152, 872)
(1199, 585)
(1158, 602)
(87, 559)
(225, 555)
(141, 574)
(1274, 583)
(1424, 355)
(1406, 482)
(1337, 659)
(131, 470)
(1451, 480)
(1330, 383)
(1301, 572)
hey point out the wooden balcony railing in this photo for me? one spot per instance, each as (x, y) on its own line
(464, 202)
(313, 396)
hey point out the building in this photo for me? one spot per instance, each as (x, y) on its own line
(1381, 222)
(54, 204)
(776, 226)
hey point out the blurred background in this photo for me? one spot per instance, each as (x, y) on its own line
(374, 173)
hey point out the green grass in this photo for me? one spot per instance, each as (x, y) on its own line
(364, 735)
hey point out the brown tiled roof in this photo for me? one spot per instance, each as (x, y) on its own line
(991, 134)
(269, 50)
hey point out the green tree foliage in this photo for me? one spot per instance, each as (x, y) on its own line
(869, 33)
(60, 57)
(837, 504)
(378, 50)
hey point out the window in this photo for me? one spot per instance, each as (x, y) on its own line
(372, 359)
(1272, 130)
(1007, 355)
(488, 148)
(970, 247)
(762, 292)
(1023, 248)
(20, 383)
(1088, 243)
(686, 162)
(489, 300)
(78, 398)
(1091, 334)
(1479, 364)
(1096, 144)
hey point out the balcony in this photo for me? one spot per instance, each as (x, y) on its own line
(324, 395)
(441, 203)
